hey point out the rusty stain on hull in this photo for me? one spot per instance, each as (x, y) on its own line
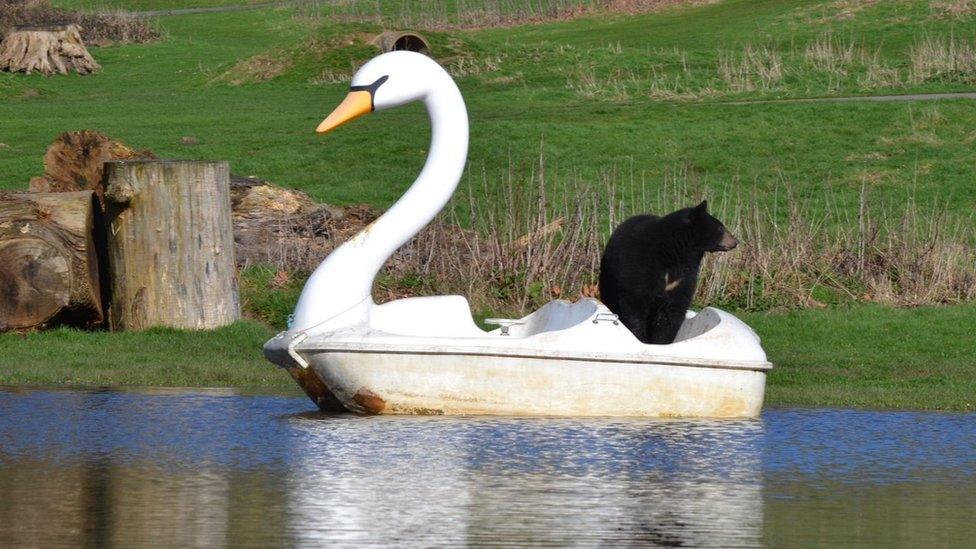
(315, 389)
(370, 402)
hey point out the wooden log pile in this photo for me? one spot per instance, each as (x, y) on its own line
(107, 236)
(47, 50)
(162, 254)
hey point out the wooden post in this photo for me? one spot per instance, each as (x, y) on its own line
(170, 244)
(49, 259)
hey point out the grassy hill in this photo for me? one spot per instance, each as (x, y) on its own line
(652, 110)
(648, 94)
(637, 111)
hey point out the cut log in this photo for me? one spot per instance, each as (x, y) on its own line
(170, 245)
(49, 260)
(75, 162)
(47, 50)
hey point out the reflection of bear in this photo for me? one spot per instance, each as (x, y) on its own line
(650, 268)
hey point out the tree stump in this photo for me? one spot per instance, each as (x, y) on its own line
(75, 161)
(170, 245)
(47, 50)
(49, 260)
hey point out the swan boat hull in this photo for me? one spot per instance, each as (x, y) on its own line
(542, 365)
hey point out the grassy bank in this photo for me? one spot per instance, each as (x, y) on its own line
(865, 356)
(229, 357)
(612, 113)
(870, 356)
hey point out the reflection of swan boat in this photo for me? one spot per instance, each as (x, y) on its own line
(517, 482)
(426, 355)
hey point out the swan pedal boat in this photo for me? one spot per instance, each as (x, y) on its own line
(426, 355)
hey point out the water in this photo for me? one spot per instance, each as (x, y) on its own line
(210, 469)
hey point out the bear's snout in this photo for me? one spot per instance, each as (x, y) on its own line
(728, 241)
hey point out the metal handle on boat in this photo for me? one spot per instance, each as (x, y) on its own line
(298, 338)
(606, 317)
(503, 323)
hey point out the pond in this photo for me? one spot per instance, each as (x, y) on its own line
(212, 468)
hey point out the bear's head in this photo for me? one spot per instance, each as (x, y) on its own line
(708, 233)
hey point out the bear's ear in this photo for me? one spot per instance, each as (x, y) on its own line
(702, 208)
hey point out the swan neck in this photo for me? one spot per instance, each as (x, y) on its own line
(344, 281)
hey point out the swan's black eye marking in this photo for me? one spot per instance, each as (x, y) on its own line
(371, 88)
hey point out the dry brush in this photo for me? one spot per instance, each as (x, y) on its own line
(98, 28)
(540, 237)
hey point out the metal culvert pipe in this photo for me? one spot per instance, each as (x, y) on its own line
(402, 40)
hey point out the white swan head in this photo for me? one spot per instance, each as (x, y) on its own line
(386, 81)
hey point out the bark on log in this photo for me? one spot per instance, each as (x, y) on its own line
(170, 245)
(47, 50)
(49, 260)
(75, 161)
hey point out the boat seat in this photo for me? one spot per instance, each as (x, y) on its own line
(554, 316)
(437, 316)
(696, 324)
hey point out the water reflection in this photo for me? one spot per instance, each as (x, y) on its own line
(538, 481)
(208, 469)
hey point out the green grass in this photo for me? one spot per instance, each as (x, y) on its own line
(228, 357)
(871, 357)
(266, 301)
(525, 96)
(643, 95)
(859, 357)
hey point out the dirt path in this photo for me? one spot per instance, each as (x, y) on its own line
(876, 98)
(213, 9)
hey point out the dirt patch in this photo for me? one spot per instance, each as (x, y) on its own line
(637, 6)
(257, 68)
(336, 54)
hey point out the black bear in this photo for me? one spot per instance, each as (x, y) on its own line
(649, 269)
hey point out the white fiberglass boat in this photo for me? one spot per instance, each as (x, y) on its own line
(426, 355)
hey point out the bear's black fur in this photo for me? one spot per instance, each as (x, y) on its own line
(649, 269)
